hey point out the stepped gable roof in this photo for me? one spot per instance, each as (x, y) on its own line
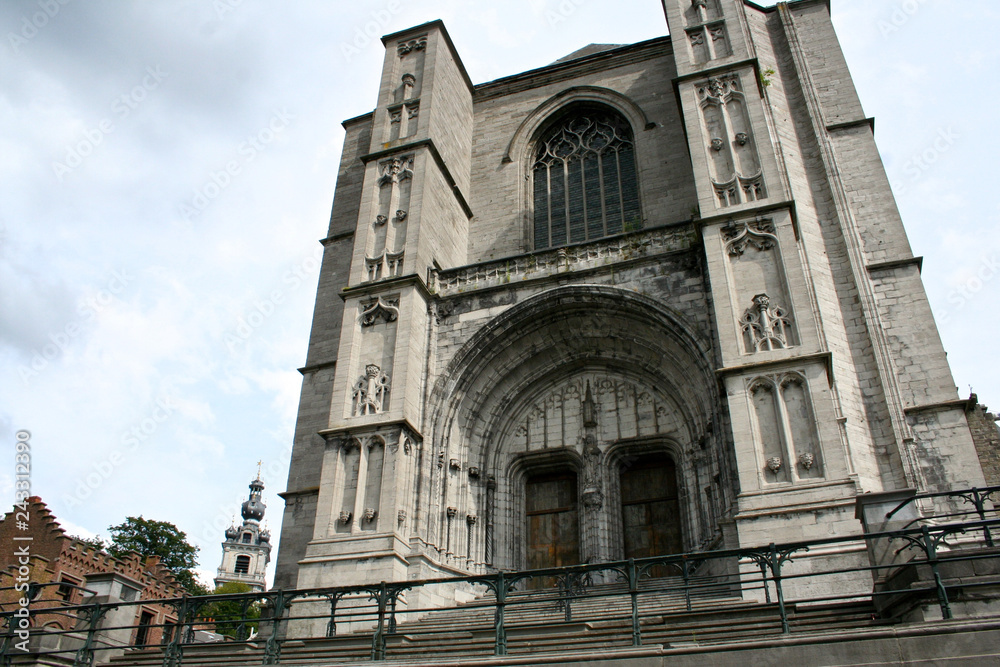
(63, 552)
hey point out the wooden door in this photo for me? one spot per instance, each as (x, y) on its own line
(650, 510)
(553, 521)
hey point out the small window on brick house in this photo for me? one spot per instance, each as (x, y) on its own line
(66, 590)
(142, 634)
(584, 182)
(242, 564)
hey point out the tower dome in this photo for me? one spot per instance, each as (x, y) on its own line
(253, 507)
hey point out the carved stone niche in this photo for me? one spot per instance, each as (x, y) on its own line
(765, 325)
(417, 44)
(371, 391)
(379, 310)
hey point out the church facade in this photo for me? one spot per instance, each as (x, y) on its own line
(648, 299)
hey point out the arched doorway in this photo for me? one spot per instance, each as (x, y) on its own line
(651, 519)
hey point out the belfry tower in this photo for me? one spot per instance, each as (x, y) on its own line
(247, 549)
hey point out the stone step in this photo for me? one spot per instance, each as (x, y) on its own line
(707, 623)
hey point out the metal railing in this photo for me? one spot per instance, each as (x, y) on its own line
(649, 600)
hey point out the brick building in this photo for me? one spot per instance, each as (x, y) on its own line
(70, 572)
(646, 299)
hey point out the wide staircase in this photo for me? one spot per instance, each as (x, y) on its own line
(538, 622)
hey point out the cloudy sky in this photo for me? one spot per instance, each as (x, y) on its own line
(166, 170)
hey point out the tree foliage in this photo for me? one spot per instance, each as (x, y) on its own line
(158, 538)
(96, 542)
(236, 618)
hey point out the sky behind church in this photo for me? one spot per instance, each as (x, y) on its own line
(166, 170)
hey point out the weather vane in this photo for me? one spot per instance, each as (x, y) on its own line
(259, 463)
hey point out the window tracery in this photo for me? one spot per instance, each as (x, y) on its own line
(585, 184)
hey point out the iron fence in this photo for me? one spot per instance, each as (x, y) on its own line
(651, 600)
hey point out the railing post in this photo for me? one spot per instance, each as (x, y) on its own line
(633, 590)
(979, 501)
(932, 559)
(687, 589)
(331, 626)
(272, 648)
(378, 640)
(762, 562)
(85, 654)
(173, 654)
(500, 647)
(776, 572)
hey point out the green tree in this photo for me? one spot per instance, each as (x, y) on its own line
(95, 541)
(158, 538)
(235, 618)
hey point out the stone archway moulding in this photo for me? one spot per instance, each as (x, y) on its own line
(575, 95)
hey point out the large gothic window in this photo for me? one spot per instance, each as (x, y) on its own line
(584, 179)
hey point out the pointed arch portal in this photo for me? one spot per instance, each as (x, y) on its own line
(591, 411)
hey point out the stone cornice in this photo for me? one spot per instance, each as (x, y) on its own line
(746, 213)
(896, 263)
(432, 149)
(386, 285)
(846, 125)
(957, 404)
(333, 238)
(758, 366)
(554, 262)
(332, 434)
(308, 491)
(312, 368)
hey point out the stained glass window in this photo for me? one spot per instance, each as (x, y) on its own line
(584, 180)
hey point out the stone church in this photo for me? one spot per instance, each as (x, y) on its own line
(647, 299)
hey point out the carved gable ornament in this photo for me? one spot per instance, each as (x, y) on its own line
(379, 310)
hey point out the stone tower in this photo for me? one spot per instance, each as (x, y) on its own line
(247, 549)
(647, 299)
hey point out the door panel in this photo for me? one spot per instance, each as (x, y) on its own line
(650, 509)
(553, 521)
